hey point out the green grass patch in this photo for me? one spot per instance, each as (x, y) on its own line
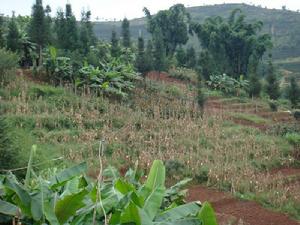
(250, 117)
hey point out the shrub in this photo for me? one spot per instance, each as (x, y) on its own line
(273, 105)
(283, 129)
(59, 69)
(114, 78)
(45, 91)
(293, 92)
(8, 61)
(174, 91)
(227, 84)
(293, 138)
(184, 74)
(7, 151)
(296, 114)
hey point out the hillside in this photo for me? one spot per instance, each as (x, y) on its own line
(283, 25)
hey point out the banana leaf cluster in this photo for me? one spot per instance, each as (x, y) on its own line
(70, 197)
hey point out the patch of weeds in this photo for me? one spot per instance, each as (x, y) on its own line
(250, 117)
(45, 91)
(111, 148)
(202, 175)
(293, 138)
(117, 123)
(174, 168)
(93, 124)
(174, 91)
(21, 121)
(210, 122)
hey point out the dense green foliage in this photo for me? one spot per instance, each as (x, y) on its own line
(293, 92)
(8, 61)
(227, 84)
(115, 49)
(272, 85)
(170, 26)
(13, 35)
(232, 42)
(126, 33)
(71, 197)
(38, 28)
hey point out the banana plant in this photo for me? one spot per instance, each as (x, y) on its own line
(70, 197)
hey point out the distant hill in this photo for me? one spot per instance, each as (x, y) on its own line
(283, 25)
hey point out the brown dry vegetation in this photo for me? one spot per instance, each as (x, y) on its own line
(154, 125)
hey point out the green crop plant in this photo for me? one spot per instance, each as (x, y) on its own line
(70, 197)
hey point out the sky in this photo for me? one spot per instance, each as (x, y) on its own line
(118, 9)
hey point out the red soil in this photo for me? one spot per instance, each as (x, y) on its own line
(233, 211)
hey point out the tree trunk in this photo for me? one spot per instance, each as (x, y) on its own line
(40, 56)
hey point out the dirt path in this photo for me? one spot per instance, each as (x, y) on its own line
(237, 212)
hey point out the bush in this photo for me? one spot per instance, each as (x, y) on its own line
(114, 78)
(283, 129)
(174, 91)
(8, 61)
(45, 91)
(293, 138)
(228, 85)
(273, 106)
(296, 114)
(184, 74)
(7, 151)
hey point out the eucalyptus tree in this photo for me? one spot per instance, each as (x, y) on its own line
(272, 85)
(126, 33)
(66, 29)
(86, 35)
(140, 63)
(13, 35)
(173, 27)
(115, 49)
(38, 28)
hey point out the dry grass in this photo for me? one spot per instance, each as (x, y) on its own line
(150, 127)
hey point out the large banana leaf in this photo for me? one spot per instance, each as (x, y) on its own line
(207, 215)
(8, 208)
(157, 175)
(67, 207)
(66, 175)
(154, 201)
(23, 199)
(180, 212)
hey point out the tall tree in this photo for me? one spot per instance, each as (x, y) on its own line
(160, 59)
(86, 36)
(191, 58)
(140, 59)
(231, 42)
(272, 86)
(254, 81)
(115, 49)
(181, 57)
(149, 56)
(71, 31)
(2, 27)
(59, 27)
(13, 36)
(37, 28)
(206, 64)
(126, 33)
(293, 92)
(48, 24)
(173, 26)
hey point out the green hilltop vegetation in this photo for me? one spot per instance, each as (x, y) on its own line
(282, 25)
